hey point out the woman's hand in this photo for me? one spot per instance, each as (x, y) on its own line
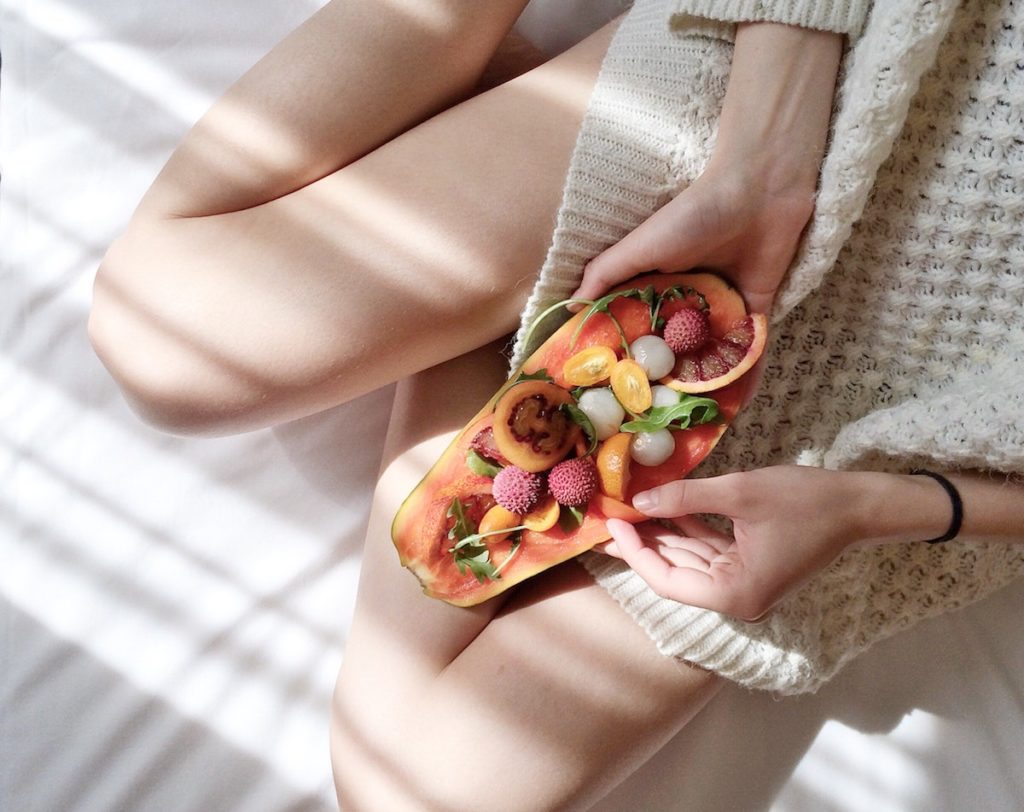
(744, 215)
(727, 221)
(789, 522)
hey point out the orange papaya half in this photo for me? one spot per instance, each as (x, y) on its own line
(445, 509)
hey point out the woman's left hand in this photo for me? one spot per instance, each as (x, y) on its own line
(789, 522)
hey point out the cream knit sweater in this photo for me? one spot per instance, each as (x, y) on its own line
(898, 336)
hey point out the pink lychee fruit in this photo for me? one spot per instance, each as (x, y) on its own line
(687, 330)
(573, 482)
(517, 490)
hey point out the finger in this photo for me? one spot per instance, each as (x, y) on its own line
(698, 547)
(674, 238)
(686, 496)
(608, 548)
(617, 263)
(683, 584)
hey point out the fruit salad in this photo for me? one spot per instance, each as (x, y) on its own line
(632, 392)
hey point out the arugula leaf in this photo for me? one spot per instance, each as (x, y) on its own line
(675, 292)
(478, 465)
(648, 296)
(462, 526)
(690, 411)
(579, 417)
(470, 551)
(528, 338)
(570, 518)
(539, 375)
(473, 554)
(602, 306)
(479, 563)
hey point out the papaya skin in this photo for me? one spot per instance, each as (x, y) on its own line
(420, 528)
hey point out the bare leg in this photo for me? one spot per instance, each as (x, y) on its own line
(546, 700)
(230, 308)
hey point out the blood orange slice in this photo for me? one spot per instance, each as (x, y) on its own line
(722, 359)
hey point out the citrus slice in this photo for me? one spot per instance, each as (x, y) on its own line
(613, 466)
(721, 359)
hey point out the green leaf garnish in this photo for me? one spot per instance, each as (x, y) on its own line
(648, 296)
(473, 554)
(478, 561)
(539, 375)
(462, 527)
(601, 306)
(675, 292)
(570, 518)
(470, 551)
(690, 411)
(579, 417)
(547, 312)
(479, 465)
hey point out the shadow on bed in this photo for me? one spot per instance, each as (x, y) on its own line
(936, 682)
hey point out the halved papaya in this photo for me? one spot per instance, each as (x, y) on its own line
(436, 530)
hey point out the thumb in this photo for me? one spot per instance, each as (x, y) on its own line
(616, 264)
(669, 240)
(686, 496)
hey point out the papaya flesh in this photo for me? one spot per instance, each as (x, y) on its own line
(422, 530)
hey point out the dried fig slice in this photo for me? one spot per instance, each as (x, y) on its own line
(531, 429)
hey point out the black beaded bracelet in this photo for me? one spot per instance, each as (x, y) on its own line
(954, 498)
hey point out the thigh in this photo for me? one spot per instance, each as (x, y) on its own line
(417, 252)
(543, 698)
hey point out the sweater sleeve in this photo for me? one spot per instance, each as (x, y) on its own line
(716, 16)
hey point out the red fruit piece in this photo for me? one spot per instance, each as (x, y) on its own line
(484, 445)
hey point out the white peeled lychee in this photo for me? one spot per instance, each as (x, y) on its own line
(604, 411)
(654, 355)
(664, 395)
(652, 447)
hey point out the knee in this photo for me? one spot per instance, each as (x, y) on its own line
(162, 372)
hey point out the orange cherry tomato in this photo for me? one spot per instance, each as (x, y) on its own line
(631, 387)
(613, 465)
(544, 516)
(590, 366)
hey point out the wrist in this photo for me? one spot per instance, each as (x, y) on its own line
(898, 507)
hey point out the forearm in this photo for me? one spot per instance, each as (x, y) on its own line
(898, 508)
(777, 106)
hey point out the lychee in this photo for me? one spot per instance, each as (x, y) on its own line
(573, 482)
(517, 490)
(687, 330)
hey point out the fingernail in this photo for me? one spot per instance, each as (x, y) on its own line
(648, 500)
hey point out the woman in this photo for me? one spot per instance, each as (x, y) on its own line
(317, 236)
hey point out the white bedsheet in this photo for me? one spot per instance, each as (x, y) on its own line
(174, 611)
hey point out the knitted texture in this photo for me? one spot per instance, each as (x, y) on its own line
(898, 339)
(842, 16)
